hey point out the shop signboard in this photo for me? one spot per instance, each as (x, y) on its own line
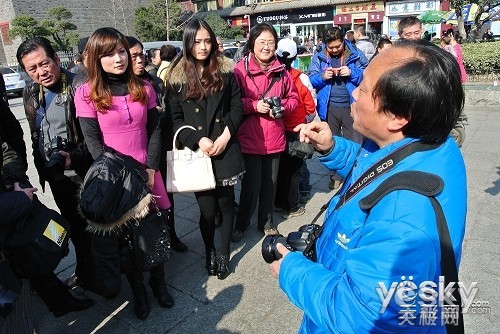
(405, 8)
(342, 19)
(321, 14)
(361, 7)
(376, 17)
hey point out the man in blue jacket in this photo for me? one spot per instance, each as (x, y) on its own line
(412, 94)
(335, 72)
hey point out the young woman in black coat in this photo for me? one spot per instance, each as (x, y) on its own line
(202, 92)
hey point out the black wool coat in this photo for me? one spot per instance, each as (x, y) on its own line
(209, 117)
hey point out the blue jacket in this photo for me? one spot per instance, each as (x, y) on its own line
(355, 60)
(356, 251)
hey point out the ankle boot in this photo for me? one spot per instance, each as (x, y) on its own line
(223, 266)
(176, 244)
(211, 262)
(141, 305)
(157, 283)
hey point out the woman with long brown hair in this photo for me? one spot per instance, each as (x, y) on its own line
(117, 109)
(202, 92)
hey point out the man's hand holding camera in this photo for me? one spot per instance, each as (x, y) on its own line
(331, 72)
(276, 265)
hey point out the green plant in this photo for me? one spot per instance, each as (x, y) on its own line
(481, 57)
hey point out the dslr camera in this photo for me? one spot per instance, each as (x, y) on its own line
(302, 240)
(275, 105)
(57, 162)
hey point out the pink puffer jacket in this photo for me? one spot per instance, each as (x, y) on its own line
(259, 133)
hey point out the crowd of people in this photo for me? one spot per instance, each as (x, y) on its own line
(353, 106)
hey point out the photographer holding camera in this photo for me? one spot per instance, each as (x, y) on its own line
(335, 72)
(359, 247)
(59, 152)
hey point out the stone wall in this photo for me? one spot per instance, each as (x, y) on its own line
(88, 15)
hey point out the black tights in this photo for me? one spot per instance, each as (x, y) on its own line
(209, 202)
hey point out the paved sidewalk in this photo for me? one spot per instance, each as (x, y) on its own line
(249, 300)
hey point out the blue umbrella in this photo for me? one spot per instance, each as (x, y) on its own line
(468, 13)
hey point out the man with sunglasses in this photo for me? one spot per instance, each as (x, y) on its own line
(335, 72)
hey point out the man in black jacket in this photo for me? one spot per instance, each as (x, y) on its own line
(59, 152)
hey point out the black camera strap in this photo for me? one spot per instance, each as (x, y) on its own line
(276, 78)
(381, 167)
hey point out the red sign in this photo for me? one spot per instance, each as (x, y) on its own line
(376, 17)
(342, 19)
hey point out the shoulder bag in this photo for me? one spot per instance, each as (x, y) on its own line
(149, 241)
(187, 170)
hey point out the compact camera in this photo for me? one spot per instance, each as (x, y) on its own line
(57, 162)
(275, 105)
(302, 240)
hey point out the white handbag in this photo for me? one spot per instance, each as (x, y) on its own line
(187, 170)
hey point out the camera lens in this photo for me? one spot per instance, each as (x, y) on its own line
(269, 251)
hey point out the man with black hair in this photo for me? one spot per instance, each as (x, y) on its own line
(335, 72)
(410, 28)
(363, 42)
(60, 155)
(79, 66)
(372, 250)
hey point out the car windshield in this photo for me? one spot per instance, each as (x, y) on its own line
(6, 70)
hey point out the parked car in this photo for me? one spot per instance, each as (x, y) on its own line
(14, 82)
(229, 51)
(159, 44)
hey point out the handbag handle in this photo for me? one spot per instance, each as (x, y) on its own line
(188, 153)
(174, 148)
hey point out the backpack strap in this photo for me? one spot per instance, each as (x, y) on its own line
(428, 185)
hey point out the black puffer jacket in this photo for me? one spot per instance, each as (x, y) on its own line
(114, 191)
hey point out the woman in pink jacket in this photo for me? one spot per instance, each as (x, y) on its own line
(267, 91)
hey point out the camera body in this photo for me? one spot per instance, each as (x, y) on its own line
(275, 105)
(302, 240)
(57, 162)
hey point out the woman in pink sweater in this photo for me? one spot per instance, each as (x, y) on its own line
(116, 109)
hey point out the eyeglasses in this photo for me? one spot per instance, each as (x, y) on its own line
(261, 43)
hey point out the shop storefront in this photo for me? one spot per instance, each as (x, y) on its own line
(300, 23)
(395, 11)
(369, 14)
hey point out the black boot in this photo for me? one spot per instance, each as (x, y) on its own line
(211, 262)
(141, 305)
(176, 244)
(57, 297)
(223, 266)
(157, 283)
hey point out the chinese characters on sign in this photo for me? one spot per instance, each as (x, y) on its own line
(436, 301)
(376, 17)
(342, 19)
(362, 7)
(411, 7)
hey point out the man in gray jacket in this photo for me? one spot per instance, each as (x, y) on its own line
(363, 42)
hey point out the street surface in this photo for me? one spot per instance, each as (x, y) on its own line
(249, 300)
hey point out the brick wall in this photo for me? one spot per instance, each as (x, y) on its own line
(88, 15)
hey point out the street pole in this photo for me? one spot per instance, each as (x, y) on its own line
(248, 18)
(168, 20)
